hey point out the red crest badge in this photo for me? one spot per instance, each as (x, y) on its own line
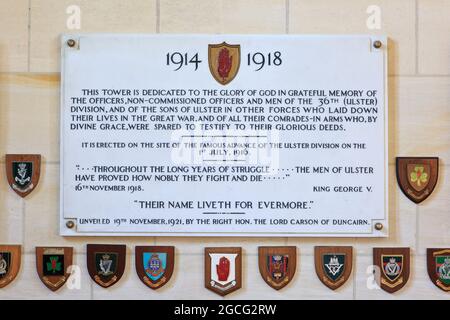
(224, 61)
(277, 265)
(223, 270)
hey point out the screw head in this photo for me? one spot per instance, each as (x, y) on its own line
(70, 224)
(378, 226)
(377, 44)
(71, 43)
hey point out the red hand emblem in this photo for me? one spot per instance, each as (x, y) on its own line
(223, 269)
(225, 62)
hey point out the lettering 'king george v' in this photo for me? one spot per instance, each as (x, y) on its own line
(223, 270)
(154, 265)
(10, 256)
(52, 265)
(438, 265)
(277, 265)
(23, 171)
(394, 264)
(333, 265)
(224, 61)
(417, 177)
(106, 263)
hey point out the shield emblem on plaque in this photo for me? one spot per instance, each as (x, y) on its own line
(10, 256)
(333, 265)
(223, 270)
(277, 265)
(438, 265)
(417, 177)
(154, 265)
(52, 264)
(106, 263)
(224, 61)
(23, 171)
(394, 264)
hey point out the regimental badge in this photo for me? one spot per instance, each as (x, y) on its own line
(10, 257)
(106, 263)
(23, 171)
(394, 267)
(417, 177)
(52, 265)
(224, 61)
(438, 263)
(277, 265)
(333, 265)
(154, 265)
(223, 270)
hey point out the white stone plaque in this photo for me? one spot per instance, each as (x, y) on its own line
(224, 135)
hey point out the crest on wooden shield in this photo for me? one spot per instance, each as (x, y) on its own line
(52, 265)
(106, 263)
(333, 265)
(23, 171)
(223, 270)
(154, 265)
(417, 177)
(10, 256)
(394, 264)
(438, 265)
(224, 61)
(277, 265)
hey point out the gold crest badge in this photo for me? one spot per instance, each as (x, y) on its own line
(417, 177)
(224, 61)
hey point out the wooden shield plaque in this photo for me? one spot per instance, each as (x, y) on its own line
(333, 265)
(52, 264)
(106, 263)
(394, 264)
(223, 270)
(438, 265)
(417, 177)
(23, 171)
(277, 265)
(10, 256)
(154, 265)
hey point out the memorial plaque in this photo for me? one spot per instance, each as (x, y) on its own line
(224, 135)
